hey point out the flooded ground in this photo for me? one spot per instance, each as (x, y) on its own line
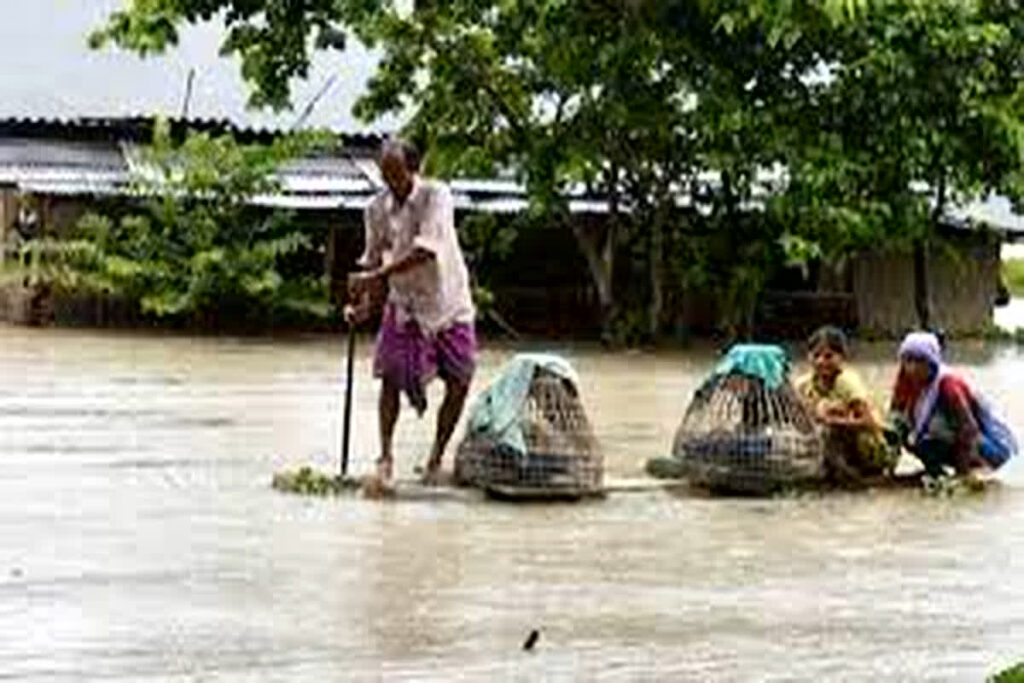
(141, 539)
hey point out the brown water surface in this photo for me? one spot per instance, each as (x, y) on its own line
(140, 538)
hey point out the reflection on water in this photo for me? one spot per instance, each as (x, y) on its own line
(141, 538)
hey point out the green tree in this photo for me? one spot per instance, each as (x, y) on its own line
(191, 246)
(671, 109)
(639, 102)
(629, 101)
(922, 110)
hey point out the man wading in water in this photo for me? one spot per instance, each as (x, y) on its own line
(412, 253)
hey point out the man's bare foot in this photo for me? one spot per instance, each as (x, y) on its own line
(385, 467)
(374, 487)
(432, 472)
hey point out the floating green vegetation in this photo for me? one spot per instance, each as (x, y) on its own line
(948, 487)
(309, 482)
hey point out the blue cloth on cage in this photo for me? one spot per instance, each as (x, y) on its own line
(497, 410)
(762, 361)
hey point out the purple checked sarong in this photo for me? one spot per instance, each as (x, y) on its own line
(409, 358)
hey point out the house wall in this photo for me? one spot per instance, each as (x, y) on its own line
(344, 245)
(8, 212)
(61, 214)
(15, 299)
(796, 314)
(20, 302)
(963, 281)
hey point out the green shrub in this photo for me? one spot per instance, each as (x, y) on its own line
(1015, 674)
(189, 245)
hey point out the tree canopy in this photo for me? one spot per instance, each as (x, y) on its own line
(842, 123)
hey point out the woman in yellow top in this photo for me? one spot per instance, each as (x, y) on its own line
(855, 446)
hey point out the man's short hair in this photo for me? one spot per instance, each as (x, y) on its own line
(410, 155)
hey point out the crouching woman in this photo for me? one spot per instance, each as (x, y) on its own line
(855, 448)
(940, 418)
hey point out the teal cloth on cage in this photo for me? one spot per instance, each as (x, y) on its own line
(762, 361)
(497, 411)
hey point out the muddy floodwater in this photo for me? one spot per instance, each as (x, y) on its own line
(141, 539)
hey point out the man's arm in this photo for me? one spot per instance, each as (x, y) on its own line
(363, 282)
(416, 257)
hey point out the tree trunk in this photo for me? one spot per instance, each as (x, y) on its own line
(599, 252)
(740, 315)
(922, 282)
(598, 247)
(657, 257)
(922, 296)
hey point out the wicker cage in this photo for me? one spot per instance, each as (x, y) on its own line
(738, 436)
(563, 458)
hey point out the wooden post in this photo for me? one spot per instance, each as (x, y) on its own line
(657, 257)
(346, 426)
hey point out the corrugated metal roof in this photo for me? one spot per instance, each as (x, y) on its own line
(299, 202)
(300, 184)
(464, 202)
(325, 175)
(62, 167)
(61, 176)
(334, 166)
(104, 167)
(88, 155)
(139, 129)
(68, 189)
(485, 185)
(994, 212)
